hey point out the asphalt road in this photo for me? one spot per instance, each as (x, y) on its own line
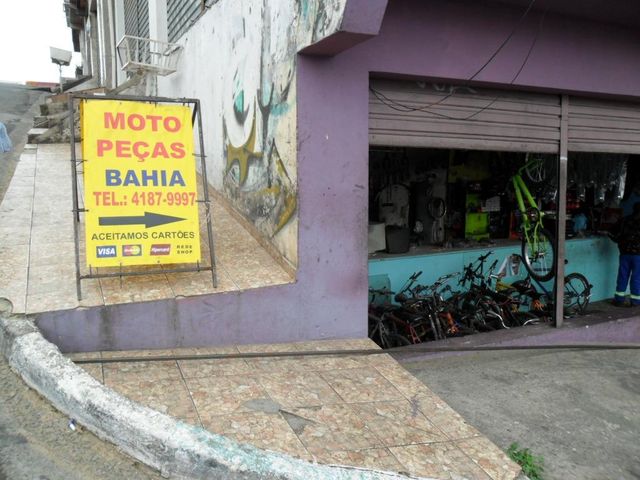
(18, 106)
(36, 442)
(580, 410)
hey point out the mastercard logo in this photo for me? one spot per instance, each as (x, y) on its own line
(131, 250)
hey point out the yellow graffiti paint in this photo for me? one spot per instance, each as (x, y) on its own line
(241, 155)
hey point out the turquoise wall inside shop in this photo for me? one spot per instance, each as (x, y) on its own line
(596, 258)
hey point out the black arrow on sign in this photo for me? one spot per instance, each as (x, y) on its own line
(149, 220)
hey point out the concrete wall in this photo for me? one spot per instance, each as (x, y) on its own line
(240, 60)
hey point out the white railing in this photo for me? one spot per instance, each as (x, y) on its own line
(137, 53)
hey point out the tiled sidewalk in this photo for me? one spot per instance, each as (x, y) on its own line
(364, 411)
(37, 248)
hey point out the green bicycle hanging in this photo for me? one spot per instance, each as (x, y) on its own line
(538, 245)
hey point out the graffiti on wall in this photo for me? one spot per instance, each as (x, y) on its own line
(260, 171)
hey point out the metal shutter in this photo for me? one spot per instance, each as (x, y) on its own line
(136, 24)
(603, 126)
(136, 18)
(180, 15)
(470, 118)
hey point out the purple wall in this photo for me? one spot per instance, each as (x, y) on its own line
(329, 299)
(436, 39)
(452, 40)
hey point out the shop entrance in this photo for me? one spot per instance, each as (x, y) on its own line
(444, 214)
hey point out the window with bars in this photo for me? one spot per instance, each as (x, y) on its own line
(180, 16)
(136, 24)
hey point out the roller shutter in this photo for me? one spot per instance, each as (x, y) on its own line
(136, 24)
(419, 114)
(136, 18)
(180, 15)
(603, 126)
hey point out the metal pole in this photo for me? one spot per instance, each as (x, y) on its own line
(561, 212)
(409, 351)
(207, 206)
(74, 187)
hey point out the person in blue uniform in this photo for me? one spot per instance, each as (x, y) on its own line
(626, 234)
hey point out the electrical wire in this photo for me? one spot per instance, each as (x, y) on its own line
(506, 40)
(533, 44)
(394, 105)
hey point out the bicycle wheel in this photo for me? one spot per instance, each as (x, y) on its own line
(395, 340)
(437, 207)
(540, 170)
(539, 254)
(536, 172)
(524, 318)
(577, 293)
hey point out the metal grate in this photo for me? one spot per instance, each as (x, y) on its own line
(181, 14)
(136, 21)
(137, 53)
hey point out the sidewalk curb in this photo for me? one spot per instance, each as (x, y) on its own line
(176, 449)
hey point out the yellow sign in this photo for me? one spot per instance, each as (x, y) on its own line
(139, 184)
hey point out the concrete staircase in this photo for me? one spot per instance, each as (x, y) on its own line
(52, 125)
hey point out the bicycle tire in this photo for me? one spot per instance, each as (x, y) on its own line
(540, 172)
(536, 173)
(437, 207)
(523, 318)
(577, 293)
(535, 255)
(398, 340)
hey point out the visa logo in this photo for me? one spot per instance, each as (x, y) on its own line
(106, 251)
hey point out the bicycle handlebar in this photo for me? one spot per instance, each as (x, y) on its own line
(415, 275)
(380, 291)
(482, 258)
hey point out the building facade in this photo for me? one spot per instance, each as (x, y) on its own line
(290, 113)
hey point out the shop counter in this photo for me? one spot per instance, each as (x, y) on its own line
(594, 257)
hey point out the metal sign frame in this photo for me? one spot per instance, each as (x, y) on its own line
(196, 116)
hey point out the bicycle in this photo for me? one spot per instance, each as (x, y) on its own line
(440, 311)
(538, 246)
(481, 308)
(538, 299)
(382, 328)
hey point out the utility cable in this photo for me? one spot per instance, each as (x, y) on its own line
(394, 105)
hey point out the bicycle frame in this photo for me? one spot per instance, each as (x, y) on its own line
(533, 233)
(522, 193)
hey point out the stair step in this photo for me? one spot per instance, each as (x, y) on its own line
(58, 98)
(34, 133)
(52, 108)
(40, 121)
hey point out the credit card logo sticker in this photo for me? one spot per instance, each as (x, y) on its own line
(106, 251)
(161, 249)
(131, 250)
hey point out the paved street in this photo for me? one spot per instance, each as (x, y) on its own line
(17, 109)
(578, 409)
(35, 440)
(37, 444)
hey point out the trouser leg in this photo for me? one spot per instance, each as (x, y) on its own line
(624, 271)
(635, 280)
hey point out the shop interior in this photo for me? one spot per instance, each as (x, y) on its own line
(435, 212)
(423, 201)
